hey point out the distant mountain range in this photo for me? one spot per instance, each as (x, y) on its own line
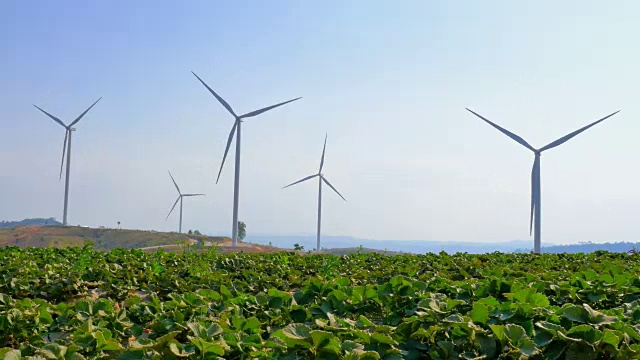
(30, 222)
(426, 246)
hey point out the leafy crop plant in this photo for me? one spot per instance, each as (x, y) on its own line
(77, 303)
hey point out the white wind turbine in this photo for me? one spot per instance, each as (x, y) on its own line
(536, 211)
(180, 196)
(235, 130)
(321, 179)
(66, 147)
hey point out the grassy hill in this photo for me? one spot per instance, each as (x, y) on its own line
(103, 239)
(148, 241)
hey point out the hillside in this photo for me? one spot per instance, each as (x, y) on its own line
(148, 241)
(103, 239)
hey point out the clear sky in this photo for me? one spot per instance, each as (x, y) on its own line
(387, 80)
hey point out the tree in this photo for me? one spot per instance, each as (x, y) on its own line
(118, 225)
(242, 230)
(298, 247)
(190, 232)
(196, 232)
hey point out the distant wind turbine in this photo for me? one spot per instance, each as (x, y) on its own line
(235, 129)
(321, 179)
(536, 211)
(180, 196)
(66, 146)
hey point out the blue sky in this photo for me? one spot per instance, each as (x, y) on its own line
(388, 81)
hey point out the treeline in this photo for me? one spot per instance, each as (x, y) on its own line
(30, 222)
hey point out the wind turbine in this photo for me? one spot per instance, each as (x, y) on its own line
(180, 196)
(321, 179)
(235, 129)
(66, 146)
(536, 211)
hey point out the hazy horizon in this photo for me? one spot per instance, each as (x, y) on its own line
(388, 82)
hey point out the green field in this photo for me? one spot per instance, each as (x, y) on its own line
(78, 303)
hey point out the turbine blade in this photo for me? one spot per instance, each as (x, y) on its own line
(569, 136)
(226, 151)
(174, 206)
(174, 183)
(301, 180)
(515, 137)
(258, 112)
(51, 116)
(64, 150)
(323, 149)
(535, 174)
(193, 195)
(84, 113)
(221, 100)
(331, 186)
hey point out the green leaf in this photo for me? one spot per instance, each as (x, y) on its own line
(178, 351)
(611, 337)
(527, 347)
(198, 330)
(543, 338)
(214, 348)
(364, 322)
(215, 329)
(165, 339)
(368, 355)
(539, 300)
(586, 333)
(550, 327)
(479, 313)
(74, 356)
(298, 315)
(10, 354)
(598, 318)
(499, 332)
(455, 318)
(487, 345)
(383, 338)
(252, 323)
(53, 351)
(111, 345)
(575, 313)
(320, 338)
(262, 299)
(530, 296)
(297, 331)
(515, 332)
(349, 345)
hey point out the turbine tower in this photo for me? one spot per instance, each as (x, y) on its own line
(321, 179)
(235, 130)
(536, 211)
(180, 196)
(66, 147)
